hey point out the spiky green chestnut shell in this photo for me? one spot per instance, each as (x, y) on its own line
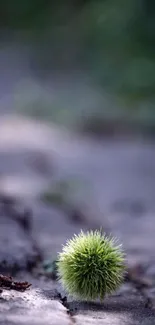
(90, 265)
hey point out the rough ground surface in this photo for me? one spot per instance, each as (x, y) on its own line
(119, 195)
(32, 307)
(115, 311)
(40, 307)
(123, 307)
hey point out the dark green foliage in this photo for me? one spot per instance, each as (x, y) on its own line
(114, 40)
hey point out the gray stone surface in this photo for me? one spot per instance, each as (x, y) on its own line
(39, 306)
(113, 172)
(31, 307)
(116, 311)
(16, 249)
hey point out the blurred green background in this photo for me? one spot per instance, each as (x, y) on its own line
(112, 42)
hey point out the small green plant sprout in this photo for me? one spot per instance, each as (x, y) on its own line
(90, 265)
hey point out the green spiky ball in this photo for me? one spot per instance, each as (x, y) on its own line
(90, 266)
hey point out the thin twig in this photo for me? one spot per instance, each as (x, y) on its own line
(6, 282)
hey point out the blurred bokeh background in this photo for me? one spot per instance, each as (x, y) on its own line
(77, 107)
(74, 60)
